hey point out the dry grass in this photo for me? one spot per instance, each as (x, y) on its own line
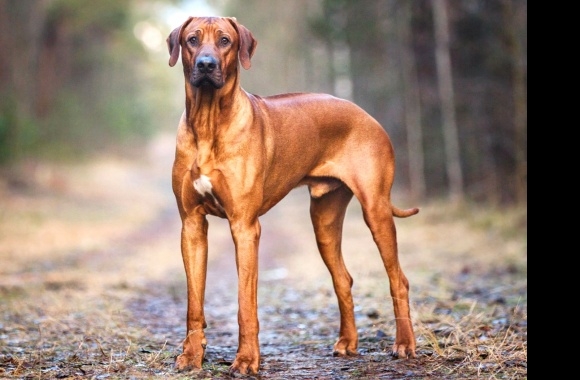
(92, 286)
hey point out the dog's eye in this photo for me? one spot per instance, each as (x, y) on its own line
(224, 41)
(192, 40)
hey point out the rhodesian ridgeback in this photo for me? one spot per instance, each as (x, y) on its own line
(239, 154)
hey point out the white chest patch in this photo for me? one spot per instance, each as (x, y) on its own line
(203, 185)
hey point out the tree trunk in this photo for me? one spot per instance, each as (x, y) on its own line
(21, 26)
(520, 100)
(412, 109)
(446, 94)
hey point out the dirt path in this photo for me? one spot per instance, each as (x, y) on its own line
(92, 284)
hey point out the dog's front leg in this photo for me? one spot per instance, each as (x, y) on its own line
(246, 236)
(194, 252)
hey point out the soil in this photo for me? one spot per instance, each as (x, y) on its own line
(92, 283)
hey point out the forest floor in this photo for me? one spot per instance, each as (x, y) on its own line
(92, 283)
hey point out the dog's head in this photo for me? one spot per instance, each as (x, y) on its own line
(210, 47)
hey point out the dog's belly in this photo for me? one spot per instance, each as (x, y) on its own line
(318, 186)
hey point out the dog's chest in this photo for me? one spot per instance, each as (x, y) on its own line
(204, 187)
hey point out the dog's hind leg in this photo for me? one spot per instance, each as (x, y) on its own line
(327, 213)
(378, 215)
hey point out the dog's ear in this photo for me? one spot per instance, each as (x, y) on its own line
(173, 42)
(247, 43)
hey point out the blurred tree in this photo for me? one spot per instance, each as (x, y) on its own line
(287, 58)
(515, 19)
(412, 107)
(73, 81)
(484, 68)
(447, 99)
(21, 39)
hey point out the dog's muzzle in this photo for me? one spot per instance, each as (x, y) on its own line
(207, 72)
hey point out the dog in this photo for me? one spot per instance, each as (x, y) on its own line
(238, 154)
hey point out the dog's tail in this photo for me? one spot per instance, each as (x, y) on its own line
(404, 213)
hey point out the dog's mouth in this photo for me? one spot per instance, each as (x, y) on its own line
(206, 80)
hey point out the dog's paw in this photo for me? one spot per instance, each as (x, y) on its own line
(344, 353)
(402, 351)
(245, 365)
(190, 360)
(345, 347)
(193, 352)
(185, 362)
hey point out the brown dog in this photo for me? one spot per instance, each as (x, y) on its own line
(239, 154)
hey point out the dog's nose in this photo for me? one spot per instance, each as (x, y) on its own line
(206, 64)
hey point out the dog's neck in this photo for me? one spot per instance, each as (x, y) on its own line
(207, 107)
(204, 106)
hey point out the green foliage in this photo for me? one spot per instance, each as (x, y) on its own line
(102, 14)
(17, 134)
(4, 136)
(83, 89)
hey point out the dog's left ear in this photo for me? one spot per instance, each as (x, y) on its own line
(173, 43)
(247, 43)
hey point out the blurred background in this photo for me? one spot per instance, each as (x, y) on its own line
(446, 79)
